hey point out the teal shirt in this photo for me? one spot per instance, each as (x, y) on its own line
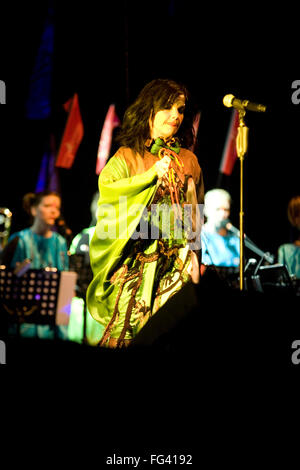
(43, 252)
(289, 254)
(220, 251)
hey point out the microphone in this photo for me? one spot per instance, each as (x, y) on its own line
(231, 101)
(63, 229)
(249, 244)
(228, 225)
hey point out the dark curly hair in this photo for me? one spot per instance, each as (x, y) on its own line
(157, 95)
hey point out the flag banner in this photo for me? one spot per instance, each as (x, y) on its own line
(195, 128)
(111, 121)
(72, 135)
(230, 154)
(38, 105)
(48, 177)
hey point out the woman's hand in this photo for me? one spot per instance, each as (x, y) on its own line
(162, 166)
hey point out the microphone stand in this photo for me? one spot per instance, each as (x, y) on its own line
(252, 246)
(242, 147)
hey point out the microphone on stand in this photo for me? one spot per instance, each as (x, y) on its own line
(241, 147)
(228, 225)
(231, 101)
(249, 244)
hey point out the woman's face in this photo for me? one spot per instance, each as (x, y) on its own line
(48, 209)
(166, 122)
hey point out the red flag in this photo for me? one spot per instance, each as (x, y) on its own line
(111, 121)
(229, 154)
(72, 136)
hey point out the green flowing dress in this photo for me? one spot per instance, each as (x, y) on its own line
(135, 273)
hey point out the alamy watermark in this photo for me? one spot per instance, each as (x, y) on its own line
(296, 354)
(2, 352)
(159, 221)
(2, 92)
(296, 93)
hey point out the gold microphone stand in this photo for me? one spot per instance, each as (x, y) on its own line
(242, 147)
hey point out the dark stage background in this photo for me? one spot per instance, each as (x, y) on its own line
(228, 396)
(107, 53)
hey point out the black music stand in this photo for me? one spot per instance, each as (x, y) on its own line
(39, 296)
(274, 278)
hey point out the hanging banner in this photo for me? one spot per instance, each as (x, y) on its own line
(229, 154)
(72, 136)
(111, 121)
